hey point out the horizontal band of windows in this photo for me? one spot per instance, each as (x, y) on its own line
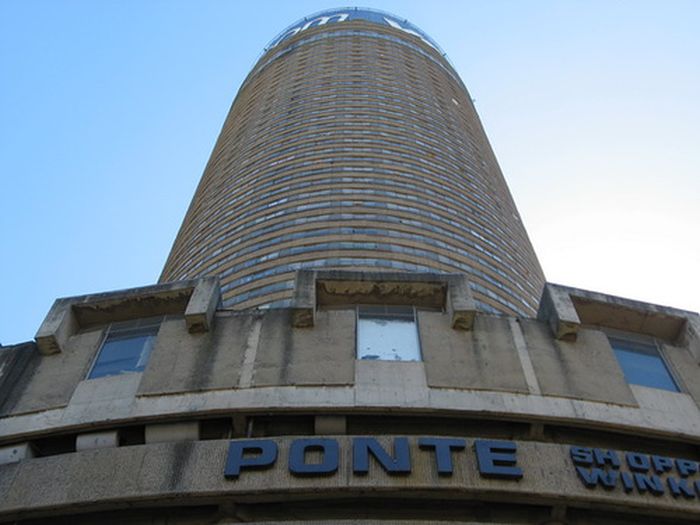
(289, 285)
(349, 234)
(463, 185)
(331, 242)
(461, 176)
(316, 147)
(209, 219)
(407, 106)
(419, 97)
(416, 161)
(324, 105)
(365, 165)
(340, 262)
(450, 215)
(232, 237)
(376, 248)
(286, 215)
(210, 234)
(288, 118)
(266, 97)
(292, 46)
(417, 234)
(333, 133)
(327, 119)
(316, 179)
(355, 262)
(469, 179)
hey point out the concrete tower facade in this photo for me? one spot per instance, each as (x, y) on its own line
(353, 144)
(377, 397)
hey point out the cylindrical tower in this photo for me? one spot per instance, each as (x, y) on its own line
(354, 144)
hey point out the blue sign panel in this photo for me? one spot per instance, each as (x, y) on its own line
(335, 16)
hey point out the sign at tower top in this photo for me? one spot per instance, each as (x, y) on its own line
(335, 16)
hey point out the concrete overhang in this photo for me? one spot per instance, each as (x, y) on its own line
(196, 299)
(566, 309)
(332, 288)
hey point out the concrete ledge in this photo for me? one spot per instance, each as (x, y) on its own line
(59, 324)
(460, 302)
(93, 440)
(15, 453)
(330, 425)
(196, 299)
(168, 432)
(407, 397)
(557, 310)
(304, 305)
(199, 314)
(314, 288)
(565, 309)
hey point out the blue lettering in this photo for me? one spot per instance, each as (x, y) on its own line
(496, 459)
(679, 487)
(249, 454)
(593, 477)
(649, 483)
(443, 451)
(397, 463)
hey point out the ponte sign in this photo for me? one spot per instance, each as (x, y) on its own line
(495, 458)
(456, 460)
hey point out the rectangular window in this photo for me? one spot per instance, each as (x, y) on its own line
(387, 333)
(126, 348)
(643, 364)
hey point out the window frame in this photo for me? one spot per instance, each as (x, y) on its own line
(122, 326)
(652, 342)
(357, 308)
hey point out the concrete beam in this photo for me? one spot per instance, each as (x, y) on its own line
(167, 432)
(330, 425)
(15, 453)
(58, 325)
(196, 299)
(460, 302)
(565, 309)
(558, 311)
(304, 304)
(200, 310)
(314, 288)
(93, 440)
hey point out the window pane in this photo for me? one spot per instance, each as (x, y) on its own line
(387, 335)
(126, 349)
(643, 365)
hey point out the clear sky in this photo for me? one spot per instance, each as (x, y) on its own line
(109, 110)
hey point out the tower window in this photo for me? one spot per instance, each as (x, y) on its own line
(387, 333)
(126, 348)
(643, 364)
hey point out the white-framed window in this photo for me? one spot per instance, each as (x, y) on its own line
(387, 333)
(126, 347)
(642, 362)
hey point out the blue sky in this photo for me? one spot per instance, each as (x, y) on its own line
(109, 110)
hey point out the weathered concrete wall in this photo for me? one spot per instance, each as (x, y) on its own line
(684, 366)
(256, 360)
(17, 364)
(185, 362)
(484, 358)
(193, 472)
(50, 382)
(322, 355)
(584, 369)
